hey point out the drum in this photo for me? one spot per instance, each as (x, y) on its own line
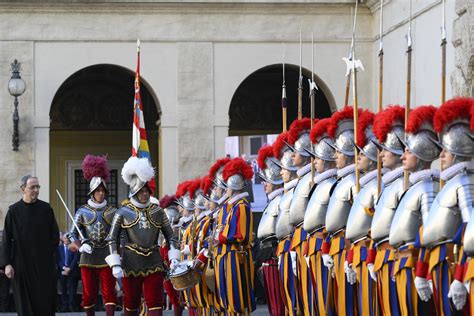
(184, 276)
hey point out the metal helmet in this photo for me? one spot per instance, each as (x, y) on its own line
(282, 152)
(237, 174)
(96, 171)
(215, 172)
(136, 172)
(389, 129)
(172, 213)
(323, 144)
(366, 140)
(298, 136)
(454, 121)
(219, 180)
(215, 196)
(421, 140)
(200, 201)
(341, 128)
(267, 163)
(187, 203)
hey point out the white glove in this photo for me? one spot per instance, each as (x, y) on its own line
(458, 294)
(173, 263)
(372, 272)
(423, 288)
(293, 262)
(186, 250)
(85, 248)
(117, 272)
(279, 262)
(467, 285)
(306, 258)
(328, 261)
(350, 273)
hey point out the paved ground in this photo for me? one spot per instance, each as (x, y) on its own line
(261, 311)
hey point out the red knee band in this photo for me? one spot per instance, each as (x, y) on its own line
(350, 256)
(371, 255)
(459, 273)
(325, 247)
(421, 269)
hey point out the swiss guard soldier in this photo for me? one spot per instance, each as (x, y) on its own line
(234, 262)
(298, 139)
(273, 185)
(284, 229)
(452, 207)
(141, 222)
(412, 211)
(94, 219)
(342, 197)
(360, 217)
(389, 129)
(315, 215)
(169, 205)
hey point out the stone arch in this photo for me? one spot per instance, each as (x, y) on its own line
(256, 104)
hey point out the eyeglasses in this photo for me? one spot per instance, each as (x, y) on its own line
(34, 187)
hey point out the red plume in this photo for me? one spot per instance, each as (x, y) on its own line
(457, 108)
(182, 188)
(193, 187)
(206, 185)
(344, 114)
(167, 200)
(279, 144)
(366, 119)
(297, 127)
(384, 121)
(95, 166)
(264, 153)
(219, 163)
(319, 129)
(418, 116)
(237, 166)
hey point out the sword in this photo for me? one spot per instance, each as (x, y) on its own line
(70, 215)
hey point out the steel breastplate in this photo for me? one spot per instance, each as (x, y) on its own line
(360, 216)
(315, 215)
(409, 215)
(140, 226)
(445, 215)
(283, 226)
(340, 203)
(267, 225)
(96, 223)
(300, 200)
(385, 209)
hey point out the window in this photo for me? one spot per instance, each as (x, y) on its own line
(255, 145)
(81, 188)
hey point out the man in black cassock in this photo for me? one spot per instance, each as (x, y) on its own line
(30, 239)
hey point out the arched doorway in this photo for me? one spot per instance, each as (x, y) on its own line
(92, 112)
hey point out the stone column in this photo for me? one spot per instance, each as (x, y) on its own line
(195, 104)
(462, 78)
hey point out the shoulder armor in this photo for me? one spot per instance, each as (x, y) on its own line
(267, 224)
(87, 215)
(283, 226)
(360, 216)
(315, 214)
(130, 215)
(385, 209)
(155, 215)
(300, 199)
(108, 214)
(411, 211)
(340, 203)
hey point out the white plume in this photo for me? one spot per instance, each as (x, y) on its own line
(137, 167)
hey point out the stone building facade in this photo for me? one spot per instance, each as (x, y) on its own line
(194, 56)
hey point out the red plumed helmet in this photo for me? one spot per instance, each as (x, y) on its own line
(458, 109)
(297, 127)
(264, 153)
(95, 166)
(366, 119)
(319, 129)
(216, 166)
(347, 113)
(206, 185)
(182, 188)
(420, 118)
(193, 186)
(385, 120)
(167, 200)
(237, 166)
(279, 144)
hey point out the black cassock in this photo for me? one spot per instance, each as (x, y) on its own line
(30, 239)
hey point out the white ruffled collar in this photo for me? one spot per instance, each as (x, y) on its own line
(391, 175)
(222, 199)
(303, 170)
(423, 174)
(290, 185)
(369, 176)
(237, 197)
(450, 172)
(187, 219)
(345, 171)
(138, 204)
(203, 214)
(325, 175)
(275, 193)
(96, 205)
